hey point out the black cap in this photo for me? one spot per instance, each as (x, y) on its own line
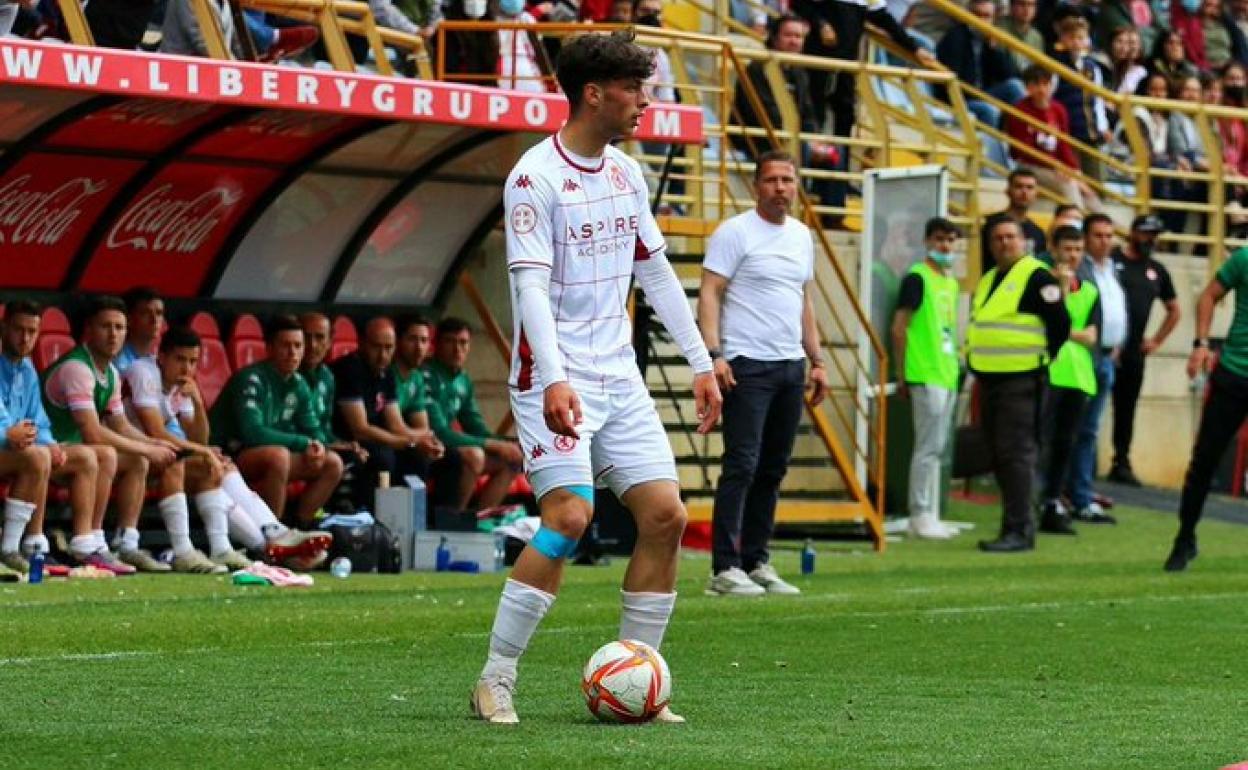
(1147, 223)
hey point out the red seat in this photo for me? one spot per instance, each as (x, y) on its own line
(345, 339)
(520, 486)
(214, 368)
(55, 338)
(246, 344)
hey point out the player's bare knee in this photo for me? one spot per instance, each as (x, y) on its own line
(666, 522)
(566, 513)
(37, 461)
(106, 458)
(275, 460)
(333, 466)
(473, 460)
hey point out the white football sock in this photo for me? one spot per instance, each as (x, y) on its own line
(126, 540)
(82, 546)
(213, 507)
(33, 544)
(17, 515)
(255, 506)
(243, 529)
(177, 518)
(520, 609)
(100, 540)
(644, 616)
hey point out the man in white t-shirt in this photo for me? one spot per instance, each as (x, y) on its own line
(163, 400)
(578, 231)
(755, 310)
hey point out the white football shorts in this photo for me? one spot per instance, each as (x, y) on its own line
(622, 442)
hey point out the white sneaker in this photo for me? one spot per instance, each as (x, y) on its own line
(928, 528)
(733, 582)
(765, 576)
(492, 702)
(669, 717)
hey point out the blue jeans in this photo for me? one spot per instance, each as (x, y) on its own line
(263, 35)
(1083, 457)
(1009, 91)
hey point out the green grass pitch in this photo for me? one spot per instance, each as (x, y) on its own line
(1083, 654)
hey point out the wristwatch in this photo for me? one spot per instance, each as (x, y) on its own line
(715, 353)
(1200, 342)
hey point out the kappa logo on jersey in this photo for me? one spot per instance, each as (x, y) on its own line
(379, 403)
(618, 226)
(564, 444)
(617, 178)
(523, 182)
(570, 186)
(537, 452)
(523, 219)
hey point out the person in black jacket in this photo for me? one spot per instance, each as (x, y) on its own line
(981, 63)
(836, 30)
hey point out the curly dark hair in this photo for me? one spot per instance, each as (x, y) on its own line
(596, 58)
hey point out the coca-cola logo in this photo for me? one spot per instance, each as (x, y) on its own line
(150, 112)
(34, 217)
(290, 125)
(161, 221)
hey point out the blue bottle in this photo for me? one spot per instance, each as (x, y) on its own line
(442, 558)
(808, 557)
(36, 568)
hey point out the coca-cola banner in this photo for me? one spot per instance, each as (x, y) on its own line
(135, 125)
(169, 234)
(48, 203)
(136, 74)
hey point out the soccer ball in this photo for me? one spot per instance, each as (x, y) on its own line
(626, 681)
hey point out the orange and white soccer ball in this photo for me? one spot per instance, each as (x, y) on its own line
(626, 681)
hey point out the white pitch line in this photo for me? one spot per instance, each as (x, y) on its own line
(122, 654)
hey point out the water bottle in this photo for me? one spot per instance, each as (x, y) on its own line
(442, 558)
(36, 568)
(808, 557)
(340, 568)
(500, 553)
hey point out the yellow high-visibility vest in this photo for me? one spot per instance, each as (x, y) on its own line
(1000, 338)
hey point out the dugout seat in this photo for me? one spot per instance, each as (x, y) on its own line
(55, 338)
(246, 345)
(214, 368)
(345, 339)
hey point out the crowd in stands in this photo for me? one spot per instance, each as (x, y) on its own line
(132, 411)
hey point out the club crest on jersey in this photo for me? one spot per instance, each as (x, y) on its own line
(523, 219)
(570, 186)
(523, 182)
(617, 178)
(564, 444)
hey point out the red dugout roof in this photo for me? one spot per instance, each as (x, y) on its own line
(248, 181)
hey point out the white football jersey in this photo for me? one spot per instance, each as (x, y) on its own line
(589, 221)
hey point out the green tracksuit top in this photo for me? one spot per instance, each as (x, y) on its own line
(451, 399)
(260, 407)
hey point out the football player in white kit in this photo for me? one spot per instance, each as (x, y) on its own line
(579, 228)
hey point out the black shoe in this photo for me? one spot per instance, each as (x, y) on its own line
(1010, 542)
(1121, 473)
(1182, 553)
(1056, 523)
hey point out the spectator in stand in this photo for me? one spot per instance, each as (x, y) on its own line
(519, 51)
(1155, 126)
(367, 410)
(836, 31)
(73, 464)
(82, 396)
(1089, 118)
(121, 23)
(1137, 15)
(8, 14)
(1144, 282)
(1049, 156)
(425, 14)
(1232, 131)
(1188, 146)
(978, 61)
(181, 35)
(1168, 57)
(1126, 71)
(1020, 189)
(471, 55)
(621, 12)
(1210, 37)
(457, 421)
(1020, 22)
(785, 34)
(1237, 10)
(266, 420)
(277, 43)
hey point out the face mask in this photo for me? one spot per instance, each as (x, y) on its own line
(1235, 93)
(474, 9)
(511, 7)
(650, 20)
(941, 258)
(1144, 249)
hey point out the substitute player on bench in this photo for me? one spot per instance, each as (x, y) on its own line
(578, 231)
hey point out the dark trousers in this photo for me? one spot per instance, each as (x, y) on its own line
(760, 421)
(1062, 413)
(1011, 410)
(1127, 384)
(442, 476)
(835, 92)
(1224, 413)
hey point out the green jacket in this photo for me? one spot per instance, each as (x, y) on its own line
(322, 387)
(452, 399)
(259, 407)
(411, 390)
